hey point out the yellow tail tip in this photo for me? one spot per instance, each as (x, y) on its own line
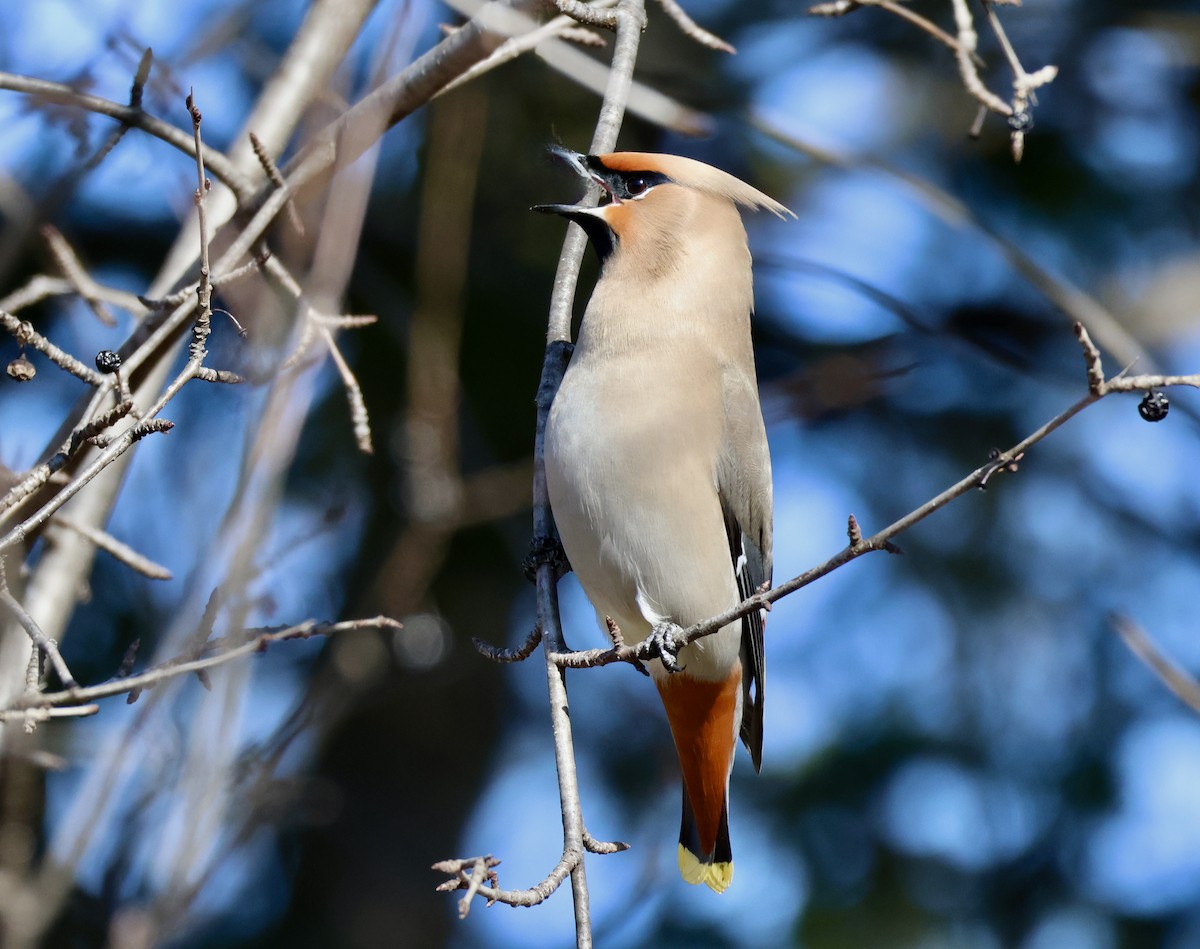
(716, 876)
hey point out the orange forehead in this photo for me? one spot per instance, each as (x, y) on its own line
(633, 161)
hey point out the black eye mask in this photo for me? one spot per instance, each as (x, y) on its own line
(626, 185)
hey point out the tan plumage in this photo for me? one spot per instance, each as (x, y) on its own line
(656, 457)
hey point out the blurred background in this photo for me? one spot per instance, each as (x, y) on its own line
(960, 752)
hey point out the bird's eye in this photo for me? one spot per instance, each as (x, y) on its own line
(637, 186)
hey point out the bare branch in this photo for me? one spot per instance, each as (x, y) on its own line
(118, 447)
(73, 270)
(345, 139)
(203, 325)
(48, 646)
(358, 405)
(123, 552)
(602, 846)
(1184, 686)
(562, 27)
(26, 335)
(589, 14)
(132, 116)
(42, 286)
(692, 29)
(41, 474)
(34, 716)
(225, 651)
(628, 19)
(520, 654)
(275, 176)
(968, 41)
(650, 648)
(842, 7)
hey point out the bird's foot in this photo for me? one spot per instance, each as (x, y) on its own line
(546, 550)
(668, 640)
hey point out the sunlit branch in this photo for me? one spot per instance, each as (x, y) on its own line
(1098, 388)
(628, 19)
(221, 652)
(132, 115)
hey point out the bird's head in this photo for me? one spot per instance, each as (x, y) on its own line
(655, 201)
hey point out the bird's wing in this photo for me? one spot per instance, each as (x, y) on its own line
(744, 485)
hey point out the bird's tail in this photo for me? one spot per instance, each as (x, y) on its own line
(714, 868)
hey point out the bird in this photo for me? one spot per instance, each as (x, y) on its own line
(657, 466)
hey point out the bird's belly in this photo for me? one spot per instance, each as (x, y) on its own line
(640, 520)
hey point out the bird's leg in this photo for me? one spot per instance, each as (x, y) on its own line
(614, 633)
(546, 550)
(667, 640)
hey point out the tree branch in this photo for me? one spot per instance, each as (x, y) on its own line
(649, 648)
(132, 116)
(628, 19)
(1184, 686)
(226, 651)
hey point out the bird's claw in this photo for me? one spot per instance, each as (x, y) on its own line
(546, 550)
(665, 637)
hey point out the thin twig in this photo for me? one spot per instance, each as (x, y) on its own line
(842, 7)
(133, 116)
(649, 649)
(1184, 686)
(203, 326)
(121, 444)
(29, 624)
(218, 282)
(123, 552)
(587, 13)
(692, 29)
(519, 654)
(33, 716)
(138, 88)
(358, 405)
(275, 176)
(26, 335)
(321, 324)
(562, 27)
(968, 42)
(602, 846)
(173, 668)
(628, 20)
(76, 274)
(41, 474)
(1025, 84)
(43, 286)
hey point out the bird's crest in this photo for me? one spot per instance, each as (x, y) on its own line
(696, 175)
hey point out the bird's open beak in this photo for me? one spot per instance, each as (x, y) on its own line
(573, 212)
(591, 219)
(578, 164)
(573, 160)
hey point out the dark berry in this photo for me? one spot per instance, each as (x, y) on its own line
(1154, 407)
(108, 361)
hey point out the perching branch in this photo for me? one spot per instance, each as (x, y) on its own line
(1000, 461)
(627, 19)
